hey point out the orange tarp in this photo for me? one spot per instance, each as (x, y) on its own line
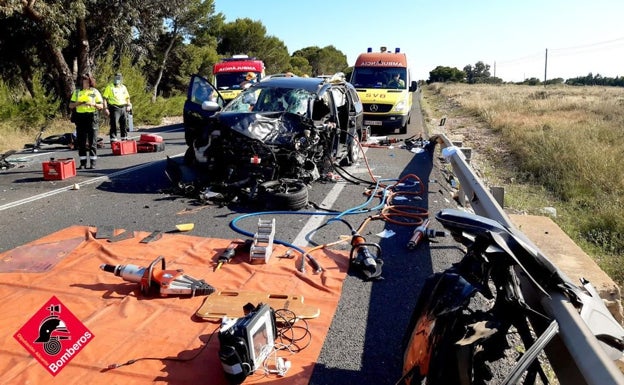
(127, 325)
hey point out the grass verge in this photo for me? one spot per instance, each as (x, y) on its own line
(553, 146)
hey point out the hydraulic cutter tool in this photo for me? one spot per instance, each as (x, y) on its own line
(160, 282)
(368, 262)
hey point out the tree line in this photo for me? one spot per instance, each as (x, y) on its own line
(480, 73)
(45, 45)
(165, 40)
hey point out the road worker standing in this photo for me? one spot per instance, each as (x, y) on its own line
(87, 101)
(117, 107)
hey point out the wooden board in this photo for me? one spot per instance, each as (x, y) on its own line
(230, 303)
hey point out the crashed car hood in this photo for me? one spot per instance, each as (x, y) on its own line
(269, 128)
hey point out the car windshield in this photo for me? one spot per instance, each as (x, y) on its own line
(376, 77)
(271, 99)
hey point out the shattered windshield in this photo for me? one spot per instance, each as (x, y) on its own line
(376, 77)
(272, 100)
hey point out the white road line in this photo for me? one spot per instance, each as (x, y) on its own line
(84, 183)
(67, 188)
(316, 220)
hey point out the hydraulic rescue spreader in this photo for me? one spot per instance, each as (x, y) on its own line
(161, 282)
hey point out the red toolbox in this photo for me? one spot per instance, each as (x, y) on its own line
(59, 169)
(150, 146)
(124, 147)
(151, 138)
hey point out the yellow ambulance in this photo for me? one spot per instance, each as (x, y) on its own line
(230, 74)
(383, 81)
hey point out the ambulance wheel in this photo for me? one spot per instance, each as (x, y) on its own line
(403, 129)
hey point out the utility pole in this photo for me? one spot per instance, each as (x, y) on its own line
(545, 65)
(494, 68)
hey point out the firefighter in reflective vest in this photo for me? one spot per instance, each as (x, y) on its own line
(87, 101)
(118, 105)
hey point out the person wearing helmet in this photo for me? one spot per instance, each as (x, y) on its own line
(250, 78)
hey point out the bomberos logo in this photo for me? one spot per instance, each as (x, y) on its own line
(54, 336)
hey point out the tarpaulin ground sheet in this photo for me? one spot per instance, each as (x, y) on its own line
(128, 325)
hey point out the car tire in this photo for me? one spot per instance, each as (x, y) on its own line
(353, 150)
(284, 194)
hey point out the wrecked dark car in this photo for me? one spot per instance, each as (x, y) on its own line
(271, 141)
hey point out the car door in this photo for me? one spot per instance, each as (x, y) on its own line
(355, 125)
(195, 117)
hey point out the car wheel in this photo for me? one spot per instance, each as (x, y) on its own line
(284, 194)
(353, 151)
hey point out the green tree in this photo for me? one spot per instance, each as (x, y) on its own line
(446, 74)
(184, 19)
(18, 56)
(50, 29)
(193, 59)
(311, 55)
(248, 37)
(275, 55)
(331, 60)
(241, 37)
(478, 73)
(66, 36)
(327, 60)
(300, 65)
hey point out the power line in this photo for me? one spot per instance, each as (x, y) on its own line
(592, 45)
(529, 58)
(536, 58)
(585, 48)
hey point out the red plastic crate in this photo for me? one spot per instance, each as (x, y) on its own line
(59, 169)
(151, 138)
(124, 147)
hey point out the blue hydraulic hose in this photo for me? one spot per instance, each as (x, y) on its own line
(234, 227)
(337, 217)
(233, 224)
(352, 210)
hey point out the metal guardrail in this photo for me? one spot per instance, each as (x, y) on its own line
(575, 354)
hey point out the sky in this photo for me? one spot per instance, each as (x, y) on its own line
(518, 39)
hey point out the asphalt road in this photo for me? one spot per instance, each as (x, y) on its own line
(132, 192)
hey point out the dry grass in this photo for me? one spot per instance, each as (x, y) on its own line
(550, 146)
(13, 138)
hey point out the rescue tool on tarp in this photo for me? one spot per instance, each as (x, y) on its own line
(160, 282)
(231, 250)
